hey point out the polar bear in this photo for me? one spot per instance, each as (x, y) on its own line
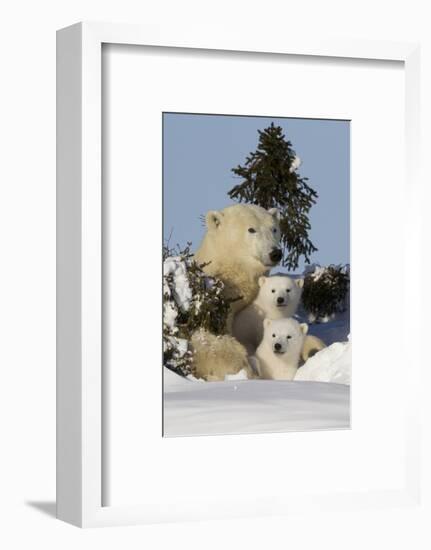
(278, 297)
(240, 245)
(278, 354)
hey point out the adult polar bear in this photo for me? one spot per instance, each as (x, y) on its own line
(240, 245)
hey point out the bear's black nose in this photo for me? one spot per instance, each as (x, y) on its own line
(275, 255)
(280, 300)
(277, 346)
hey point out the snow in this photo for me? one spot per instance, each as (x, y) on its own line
(180, 345)
(241, 375)
(176, 267)
(252, 406)
(315, 271)
(332, 364)
(172, 380)
(296, 163)
(170, 314)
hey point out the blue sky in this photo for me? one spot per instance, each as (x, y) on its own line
(200, 150)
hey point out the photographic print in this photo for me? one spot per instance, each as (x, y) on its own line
(256, 274)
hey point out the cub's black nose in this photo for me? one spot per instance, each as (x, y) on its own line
(280, 300)
(275, 255)
(277, 346)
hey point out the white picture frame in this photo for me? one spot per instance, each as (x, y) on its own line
(79, 264)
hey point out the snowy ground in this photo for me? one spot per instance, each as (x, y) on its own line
(318, 398)
(253, 406)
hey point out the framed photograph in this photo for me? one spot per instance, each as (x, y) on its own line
(255, 226)
(229, 214)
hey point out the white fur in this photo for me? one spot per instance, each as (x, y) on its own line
(278, 298)
(242, 233)
(279, 352)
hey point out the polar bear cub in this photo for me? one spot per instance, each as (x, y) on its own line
(278, 297)
(279, 352)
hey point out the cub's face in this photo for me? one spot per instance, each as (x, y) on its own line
(280, 291)
(284, 335)
(244, 232)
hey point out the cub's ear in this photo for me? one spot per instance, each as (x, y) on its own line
(266, 323)
(275, 212)
(304, 328)
(261, 281)
(299, 282)
(213, 219)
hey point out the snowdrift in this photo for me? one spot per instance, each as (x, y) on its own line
(253, 406)
(332, 364)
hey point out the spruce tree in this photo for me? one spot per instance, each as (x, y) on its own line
(270, 179)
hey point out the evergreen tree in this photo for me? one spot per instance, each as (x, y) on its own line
(325, 291)
(270, 179)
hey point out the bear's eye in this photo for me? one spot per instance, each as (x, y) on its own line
(273, 290)
(251, 230)
(288, 337)
(273, 335)
(274, 230)
(287, 289)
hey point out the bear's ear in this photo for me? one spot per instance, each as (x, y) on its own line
(266, 323)
(304, 328)
(275, 213)
(213, 219)
(261, 281)
(299, 282)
